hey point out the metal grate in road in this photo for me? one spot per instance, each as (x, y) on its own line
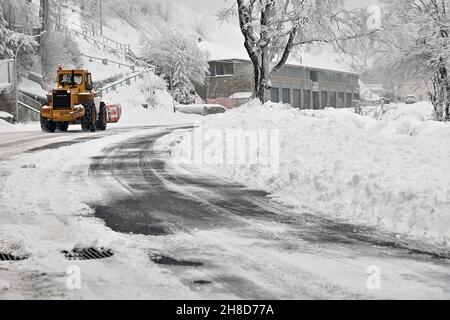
(10, 257)
(88, 254)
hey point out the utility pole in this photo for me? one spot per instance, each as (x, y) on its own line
(101, 17)
(44, 14)
(59, 16)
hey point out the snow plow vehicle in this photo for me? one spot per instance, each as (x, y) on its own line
(75, 102)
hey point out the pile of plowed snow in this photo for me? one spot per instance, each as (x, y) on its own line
(392, 173)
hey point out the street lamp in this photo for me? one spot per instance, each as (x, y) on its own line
(101, 18)
(16, 76)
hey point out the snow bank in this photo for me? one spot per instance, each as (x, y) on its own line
(144, 102)
(391, 173)
(3, 123)
(201, 109)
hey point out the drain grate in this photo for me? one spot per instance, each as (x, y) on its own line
(88, 254)
(202, 282)
(10, 257)
(168, 261)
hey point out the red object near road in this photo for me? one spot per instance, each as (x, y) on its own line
(114, 113)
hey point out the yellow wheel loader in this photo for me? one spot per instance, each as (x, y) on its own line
(74, 102)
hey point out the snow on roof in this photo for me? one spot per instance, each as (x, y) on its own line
(242, 95)
(4, 85)
(324, 60)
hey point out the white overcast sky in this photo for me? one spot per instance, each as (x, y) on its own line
(212, 6)
(225, 40)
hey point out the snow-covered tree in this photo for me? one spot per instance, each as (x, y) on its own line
(273, 29)
(60, 50)
(181, 61)
(9, 43)
(415, 42)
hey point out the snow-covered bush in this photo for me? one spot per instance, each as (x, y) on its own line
(181, 61)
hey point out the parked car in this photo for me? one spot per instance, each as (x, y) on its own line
(410, 100)
(6, 117)
(385, 100)
(201, 109)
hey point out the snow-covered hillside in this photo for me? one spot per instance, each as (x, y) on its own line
(390, 173)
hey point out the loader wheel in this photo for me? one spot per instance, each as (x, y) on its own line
(102, 118)
(88, 123)
(63, 127)
(48, 125)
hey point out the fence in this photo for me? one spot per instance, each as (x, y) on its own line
(125, 48)
(127, 80)
(108, 61)
(102, 45)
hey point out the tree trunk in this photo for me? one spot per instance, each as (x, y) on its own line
(441, 99)
(262, 84)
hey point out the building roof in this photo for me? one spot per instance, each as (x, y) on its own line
(291, 65)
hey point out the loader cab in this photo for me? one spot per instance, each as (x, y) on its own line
(75, 79)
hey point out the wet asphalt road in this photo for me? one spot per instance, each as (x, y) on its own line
(224, 240)
(154, 198)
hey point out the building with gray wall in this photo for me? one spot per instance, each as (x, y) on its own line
(301, 86)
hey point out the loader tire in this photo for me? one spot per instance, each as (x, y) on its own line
(88, 123)
(102, 121)
(63, 127)
(48, 125)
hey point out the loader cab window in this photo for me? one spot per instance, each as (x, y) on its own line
(89, 85)
(70, 79)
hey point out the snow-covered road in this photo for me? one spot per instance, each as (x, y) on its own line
(180, 233)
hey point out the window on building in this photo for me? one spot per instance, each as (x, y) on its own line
(356, 96)
(275, 95)
(333, 100)
(286, 95)
(307, 99)
(324, 99)
(314, 76)
(341, 100)
(297, 98)
(221, 69)
(348, 100)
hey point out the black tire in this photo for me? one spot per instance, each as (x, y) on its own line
(48, 125)
(89, 123)
(63, 126)
(102, 121)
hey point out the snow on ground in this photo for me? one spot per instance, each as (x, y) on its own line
(149, 91)
(40, 224)
(391, 173)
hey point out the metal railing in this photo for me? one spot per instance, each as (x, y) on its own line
(106, 61)
(25, 99)
(106, 40)
(106, 47)
(127, 80)
(29, 107)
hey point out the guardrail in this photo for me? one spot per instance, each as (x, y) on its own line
(106, 40)
(127, 80)
(29, 101)
(106, 61)
(106, 47)
(29, 107)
